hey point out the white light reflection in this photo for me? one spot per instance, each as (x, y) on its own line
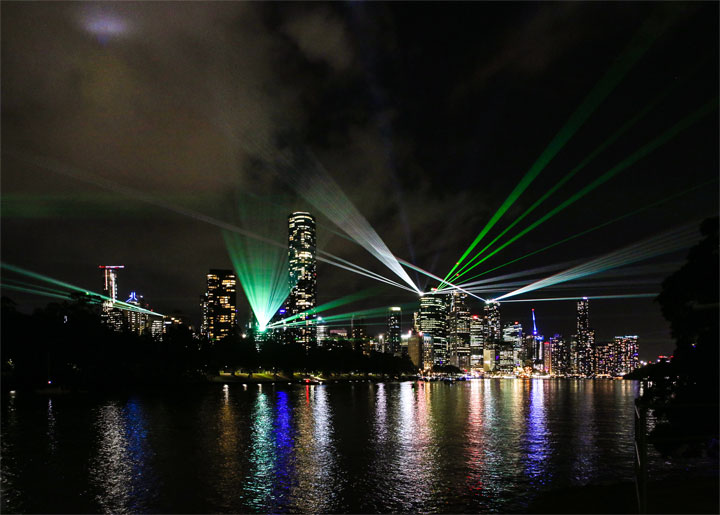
(317, 477)
(121, 469)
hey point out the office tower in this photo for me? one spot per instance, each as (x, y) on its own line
(302, 275)
(459, 330)
(433, 322)
(547, 358)
(322, 332)
(357, 333)
(513, 343)
(585, 341)
(493, 337)
(136, 321)
(111, 314)
(392, 338)
(477, 338)
(219, 308)
(427, 357)
(626, 349)
(560, 351)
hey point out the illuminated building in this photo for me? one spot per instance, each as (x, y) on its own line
(492, 325)
(547, 357)
(111, 314)
(357, 333)
(219, 309)
(626, 349)
(492, 337)
(136, 321)
(302, 275)
(394, 322)
(585, 341)
(606, 359)
(459, 330)
(427, 357)
(477, 338)
(433, 322)
(512, 344)
(322, 331)
(560, 352)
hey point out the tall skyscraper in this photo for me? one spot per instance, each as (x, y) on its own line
(302, 271)
(477, 339)
(560, 352)
(394, 327)
(459, 330)
(493, 337)
(111, 315)
(433, 322)
(219, 307)
(585, 340)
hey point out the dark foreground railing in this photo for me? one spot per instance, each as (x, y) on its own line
(641, 455)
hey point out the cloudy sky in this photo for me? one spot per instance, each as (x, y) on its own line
(126, 125)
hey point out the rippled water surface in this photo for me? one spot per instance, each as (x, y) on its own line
(482, 445)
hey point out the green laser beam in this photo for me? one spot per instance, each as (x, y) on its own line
(624, 164)
(600, 226)
(40, 277)
(33, 291)
(614, 137)
(328, 305)
(640, 43)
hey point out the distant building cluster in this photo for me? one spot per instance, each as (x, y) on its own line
(133, 315)
(443, 330)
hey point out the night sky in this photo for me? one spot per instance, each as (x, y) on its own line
(426, 115)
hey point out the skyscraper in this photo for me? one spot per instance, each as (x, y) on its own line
(459, 330)
(219, 308)
(585, 340)
(394, 327)
(111, 315)
(302, 272)
(433, 322)
(493, 336)
(477, 339)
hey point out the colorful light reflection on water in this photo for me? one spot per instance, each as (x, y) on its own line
(485, 445)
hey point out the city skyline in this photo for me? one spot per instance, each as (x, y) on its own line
(146, 168)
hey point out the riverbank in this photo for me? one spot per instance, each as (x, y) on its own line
(689, 495)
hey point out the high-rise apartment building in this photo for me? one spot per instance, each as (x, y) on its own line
(433, 322)
(626, 350)
(585, 340)
(394, 328)
(513, 339)
(459, 330)
(302, 271)
(219, 304)
(560, 352)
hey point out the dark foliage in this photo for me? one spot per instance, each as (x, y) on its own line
(685, 395)
(68, 344)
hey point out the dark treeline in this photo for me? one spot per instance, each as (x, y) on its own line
(683, 394)
(68, 344)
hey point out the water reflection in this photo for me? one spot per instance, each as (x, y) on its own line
(121, 470)
(317, 479)
(537, 445)
(259, 484)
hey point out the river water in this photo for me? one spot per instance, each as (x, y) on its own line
(475, 446)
